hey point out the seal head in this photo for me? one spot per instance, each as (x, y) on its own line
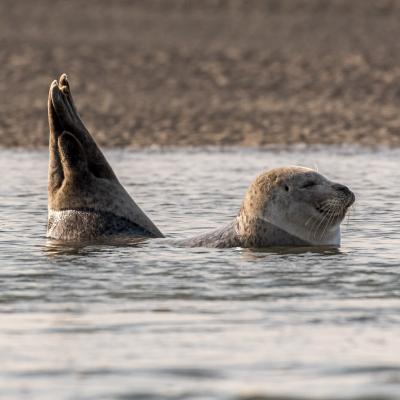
(298, 201)
(85, 199)
(290, 206)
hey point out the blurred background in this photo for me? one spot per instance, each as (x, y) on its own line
(210, 72)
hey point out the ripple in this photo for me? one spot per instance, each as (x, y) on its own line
(149, 321)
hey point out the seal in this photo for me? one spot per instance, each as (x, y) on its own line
(290, 206)
(85, 199)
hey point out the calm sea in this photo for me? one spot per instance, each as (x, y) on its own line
(159, 322)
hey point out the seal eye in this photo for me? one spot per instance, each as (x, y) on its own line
(287, 188)
(308, 185)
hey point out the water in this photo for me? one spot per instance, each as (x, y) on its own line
(158, 322)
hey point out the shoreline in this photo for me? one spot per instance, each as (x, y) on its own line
(344, 148)
(211, 73)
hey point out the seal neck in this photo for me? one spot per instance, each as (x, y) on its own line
(257, 232)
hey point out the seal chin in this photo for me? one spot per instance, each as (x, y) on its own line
(350, 201)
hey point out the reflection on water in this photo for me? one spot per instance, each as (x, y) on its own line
(57, 247)
(148, 320)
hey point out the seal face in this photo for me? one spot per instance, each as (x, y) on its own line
(291, 206)
(85, 199)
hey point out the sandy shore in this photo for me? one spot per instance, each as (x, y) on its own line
(207, 72)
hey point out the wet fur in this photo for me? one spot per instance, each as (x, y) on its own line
(90, 224)
(80, 178)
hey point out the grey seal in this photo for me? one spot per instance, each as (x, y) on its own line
(85, 199)
(290, 206)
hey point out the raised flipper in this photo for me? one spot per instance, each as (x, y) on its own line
(86, 200)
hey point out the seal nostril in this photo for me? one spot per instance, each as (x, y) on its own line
(342, 188)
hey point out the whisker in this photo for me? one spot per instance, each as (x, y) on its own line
(321, 222)
(311, 230)
(329, 222)
(308, 220)
(331, 214)
(325, 225)
(350, 213)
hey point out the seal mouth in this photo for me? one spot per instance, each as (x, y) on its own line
(338, 210)
(335, 207)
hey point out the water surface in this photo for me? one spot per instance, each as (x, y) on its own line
(158, 322)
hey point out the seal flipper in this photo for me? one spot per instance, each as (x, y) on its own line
(82, 185)
(73, 157)
(62, 106)
(56, 175)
